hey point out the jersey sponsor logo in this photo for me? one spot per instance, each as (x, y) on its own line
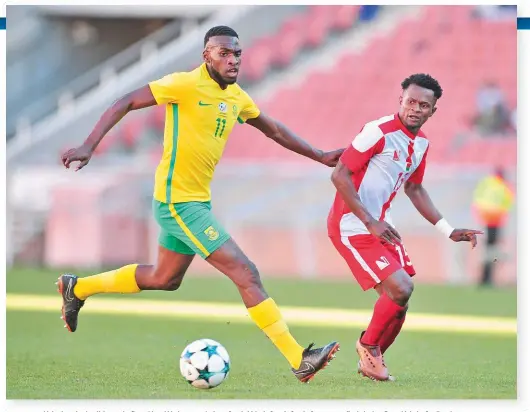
(382, 263)
(201, 103)
(211, 233)
(222, 107)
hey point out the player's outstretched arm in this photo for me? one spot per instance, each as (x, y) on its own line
(138, 99)
(342, 179)
(423, 204)
(284, 137)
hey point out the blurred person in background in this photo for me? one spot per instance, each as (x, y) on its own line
(492, 201)
(513, 120)
(493, 115)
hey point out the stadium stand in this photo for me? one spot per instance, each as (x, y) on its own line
(308, 29)
(365, 52)
(333, 104)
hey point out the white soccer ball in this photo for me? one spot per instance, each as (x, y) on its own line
(204, 363)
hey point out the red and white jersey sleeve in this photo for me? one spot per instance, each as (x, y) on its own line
(382, 157)
(369, 142)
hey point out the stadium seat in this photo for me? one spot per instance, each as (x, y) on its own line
(345, 16)
(330, 107)
(319, 22)
(288, 46)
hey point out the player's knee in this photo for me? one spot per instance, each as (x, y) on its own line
(172, 284)
(399, 287)
(403, 291)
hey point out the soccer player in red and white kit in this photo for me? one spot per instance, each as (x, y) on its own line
(386, 154)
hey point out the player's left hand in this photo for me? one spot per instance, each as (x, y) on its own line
(331, 158)
(466, 235)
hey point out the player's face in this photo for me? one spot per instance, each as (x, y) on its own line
(223, 55)
(417, 104)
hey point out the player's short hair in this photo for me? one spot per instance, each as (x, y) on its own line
(219, 31)
(423, 80)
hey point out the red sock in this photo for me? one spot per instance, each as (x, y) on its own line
(385, 311)
(390, 334)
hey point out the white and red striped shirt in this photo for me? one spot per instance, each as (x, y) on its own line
(383, 156)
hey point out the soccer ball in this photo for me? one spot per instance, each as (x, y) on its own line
(204, 363)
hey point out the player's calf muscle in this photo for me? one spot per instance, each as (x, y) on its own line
(145, 277)
(168, 272)
(247, 279)
(149, 277)
(246, 275)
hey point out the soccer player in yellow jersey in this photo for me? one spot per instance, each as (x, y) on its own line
(202, 107)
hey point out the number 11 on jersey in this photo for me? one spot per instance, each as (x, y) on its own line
(219, 123)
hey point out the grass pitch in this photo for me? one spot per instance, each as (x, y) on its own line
(134, 356)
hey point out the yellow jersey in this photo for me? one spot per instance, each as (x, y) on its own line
(199, 118)
(492, 200)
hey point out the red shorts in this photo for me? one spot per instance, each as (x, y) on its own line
(370, 260)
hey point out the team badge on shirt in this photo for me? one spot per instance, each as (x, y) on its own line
(211, 233)
(222, 107)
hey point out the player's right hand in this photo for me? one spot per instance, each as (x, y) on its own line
(82, 154)
(384, 231)
(466, 235)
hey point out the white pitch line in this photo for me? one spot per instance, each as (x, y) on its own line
(229, 312)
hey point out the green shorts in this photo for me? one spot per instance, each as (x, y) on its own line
(189, 228)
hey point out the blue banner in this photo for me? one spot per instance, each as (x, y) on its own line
(523, 23)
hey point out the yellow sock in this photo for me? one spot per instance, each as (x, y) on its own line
(120, 280)
(269, 319)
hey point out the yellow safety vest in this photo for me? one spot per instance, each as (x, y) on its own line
(492, 200)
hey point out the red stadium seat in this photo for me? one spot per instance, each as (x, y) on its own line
(289, 44)
(158, 117)
(329, 107)
(257, 60)
(318, 24)
(131, 131)
(344, 17)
